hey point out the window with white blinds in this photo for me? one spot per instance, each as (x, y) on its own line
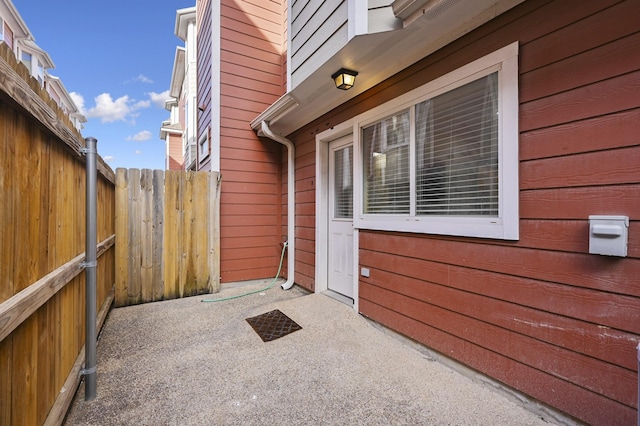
(343, 183)
(387, 180)
(443, 158)
(456, 155)
(457, 151)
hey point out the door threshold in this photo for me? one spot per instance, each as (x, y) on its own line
(339, 297)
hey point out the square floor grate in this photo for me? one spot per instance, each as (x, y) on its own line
(273, 325)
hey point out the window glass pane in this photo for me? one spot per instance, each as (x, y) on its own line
(457, 151)
(26, 59)
(40, 75)
(386, 168)
(204, 146)
(8, 36)
(343, 187)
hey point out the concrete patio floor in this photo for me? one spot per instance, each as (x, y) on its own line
(184, 362)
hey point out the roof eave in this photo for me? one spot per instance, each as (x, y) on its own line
(178, 73)
(183, 17)
(378, 57)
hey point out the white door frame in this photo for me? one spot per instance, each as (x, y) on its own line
(322, 208)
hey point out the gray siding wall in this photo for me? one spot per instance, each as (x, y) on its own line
(319, 29)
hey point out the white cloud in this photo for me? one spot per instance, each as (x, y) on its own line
(141, 105)
(143, 79)
(138, 152)
(140, 78)
(109, 110)
(108, 158)
(144, 135)
(159, 99)
(79, 101)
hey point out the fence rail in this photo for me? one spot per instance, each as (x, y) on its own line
(168, 230)
(22, 305)
(42, 238)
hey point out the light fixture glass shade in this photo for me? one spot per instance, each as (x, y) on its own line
(344, 78)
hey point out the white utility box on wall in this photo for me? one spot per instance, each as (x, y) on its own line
(608, 235)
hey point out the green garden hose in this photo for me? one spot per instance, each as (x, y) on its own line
(284, 248)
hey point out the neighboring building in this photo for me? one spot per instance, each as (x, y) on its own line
(17, 36)
(240, 72)
(447, 194)
(15, 33)
(34, 58)
(11, 25)
(171, 133)
(59, 94)
(179, 132)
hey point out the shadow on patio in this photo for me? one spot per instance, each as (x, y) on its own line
(183, 362)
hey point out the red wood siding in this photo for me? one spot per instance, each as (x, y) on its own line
(250, 81)
(176, 159)
(540, 314)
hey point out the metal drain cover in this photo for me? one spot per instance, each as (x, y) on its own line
(273, 325)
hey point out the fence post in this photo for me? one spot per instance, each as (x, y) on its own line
(91, 265)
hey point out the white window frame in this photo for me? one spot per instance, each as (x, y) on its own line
(39, 72)
(506, 224)
(22, 60)
(204, 146)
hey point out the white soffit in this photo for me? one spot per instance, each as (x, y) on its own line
(379, 56)
(30, 46)
(183, 17)
(10, 14)
(177, 76)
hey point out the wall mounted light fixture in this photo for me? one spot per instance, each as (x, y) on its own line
(344, 78)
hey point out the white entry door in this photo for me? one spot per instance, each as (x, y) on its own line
(340, 227)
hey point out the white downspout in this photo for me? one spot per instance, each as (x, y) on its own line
(291, 188)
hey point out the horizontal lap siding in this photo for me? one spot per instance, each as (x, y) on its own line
(318, 31)
(205, 46)
(305, 209)
(251, 80)
(539, 314)
(175, 159)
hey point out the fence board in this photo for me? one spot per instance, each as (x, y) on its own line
(46, 345)
(146, 234)
(6, 384)
(186, 194)
(7, 188)
(22, 203)
(122, 221)
(24, 361)
(158, 234)
(171, 240)
(134, 257)
(200, 193)
(171, 248)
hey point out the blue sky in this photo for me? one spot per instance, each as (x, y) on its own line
(116, 58)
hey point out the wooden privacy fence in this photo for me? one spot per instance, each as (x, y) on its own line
(168, 229)
(42, 244)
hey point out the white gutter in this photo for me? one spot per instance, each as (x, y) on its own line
(291, 188)
(283, 106)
